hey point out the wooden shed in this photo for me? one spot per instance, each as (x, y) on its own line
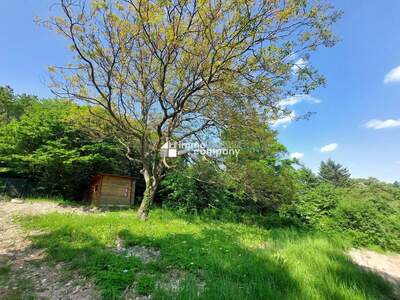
(108, 190)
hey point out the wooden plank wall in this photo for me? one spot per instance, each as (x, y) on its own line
(116, 191)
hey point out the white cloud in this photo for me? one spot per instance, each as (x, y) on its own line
(299, 64)
(381, 124)
(284, 121)
(299, 98)
(297, 155)
(393, 76)
(329, 148)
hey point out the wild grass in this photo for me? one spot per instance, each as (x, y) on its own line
(4, 272)
(220, 260)
(21, 288)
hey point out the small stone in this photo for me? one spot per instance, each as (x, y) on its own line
(17, 201)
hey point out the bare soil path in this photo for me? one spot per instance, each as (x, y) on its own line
(25, 274)
(386, 265)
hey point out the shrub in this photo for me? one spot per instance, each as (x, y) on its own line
(262, 186)
(368, 212)
(370, 221)
(260, 176)
(306, 179)
(195, 188)
(254, 187)
(49, 146)
(312, 205)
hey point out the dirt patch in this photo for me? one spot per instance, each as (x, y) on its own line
(174, 279)
(8, 209)
(387, 266)
(145, 254)
(171, 281)
(131, 294)
(26, 263)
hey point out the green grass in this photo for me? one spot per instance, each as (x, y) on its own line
(4, 272)
(23, 290)
(232, 261)
(17, 288)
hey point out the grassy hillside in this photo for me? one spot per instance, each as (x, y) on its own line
(194, 258)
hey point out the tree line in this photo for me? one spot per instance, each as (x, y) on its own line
(58, 145)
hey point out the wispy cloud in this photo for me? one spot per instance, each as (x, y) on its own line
(299, 64)
(382, 124)
(299, 98)
(284, 121)
(297, 155)
(393, 76)
(329, 148)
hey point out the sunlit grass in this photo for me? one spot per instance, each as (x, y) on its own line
(234, 261)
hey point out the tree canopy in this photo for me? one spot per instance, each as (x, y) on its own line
(172, 70)
(50, 146)
(13, 106)
(334, 173)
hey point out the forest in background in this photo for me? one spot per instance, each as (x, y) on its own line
(54, 146)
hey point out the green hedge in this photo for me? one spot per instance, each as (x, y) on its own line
(369, 214)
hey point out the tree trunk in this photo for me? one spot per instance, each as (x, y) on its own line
(148, 197)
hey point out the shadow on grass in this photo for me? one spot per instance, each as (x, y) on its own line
(348, 274)
(228, 269)
(236, 274)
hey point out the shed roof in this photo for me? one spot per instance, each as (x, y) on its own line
(114, 175)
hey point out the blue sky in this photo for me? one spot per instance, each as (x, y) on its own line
(355, 93)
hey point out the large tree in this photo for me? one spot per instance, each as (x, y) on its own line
(334, 173)
(176, 69)
(261, 172)
(13, 106)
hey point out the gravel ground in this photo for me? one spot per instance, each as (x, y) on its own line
(26, 263)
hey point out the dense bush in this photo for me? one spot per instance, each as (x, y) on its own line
(312, 205)
(196, 188)
(368, 211)
(48, 146)
(367, 223)
(258, 180)
(261, 175)
(262, 186)
(200, 188)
